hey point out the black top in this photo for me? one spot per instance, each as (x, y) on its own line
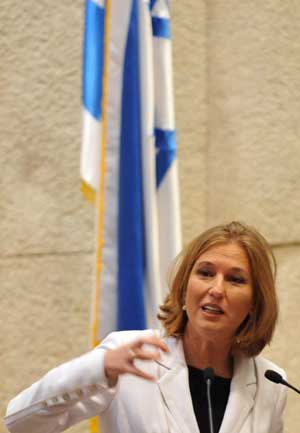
(220, 389)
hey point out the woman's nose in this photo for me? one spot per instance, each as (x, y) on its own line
(218, 287)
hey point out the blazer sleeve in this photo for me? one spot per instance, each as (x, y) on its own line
(277, 424)
(271, 397)
(67, 394)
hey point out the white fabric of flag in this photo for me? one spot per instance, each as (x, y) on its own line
(129, 158)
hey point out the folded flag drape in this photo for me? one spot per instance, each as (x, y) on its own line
(128, 158)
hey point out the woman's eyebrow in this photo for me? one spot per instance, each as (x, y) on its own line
(233, 269)
(205, 263)
(240, 270)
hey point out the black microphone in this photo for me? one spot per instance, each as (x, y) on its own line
(275, 377)
(209, 375)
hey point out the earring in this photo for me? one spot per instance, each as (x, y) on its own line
(184, 307)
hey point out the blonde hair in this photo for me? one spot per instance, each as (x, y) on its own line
(257, 329)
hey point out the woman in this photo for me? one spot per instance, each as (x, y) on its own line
(220, 313)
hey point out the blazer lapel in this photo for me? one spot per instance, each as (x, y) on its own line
(174, 387)
(242, 394)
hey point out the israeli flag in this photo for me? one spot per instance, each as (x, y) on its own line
(128, 159)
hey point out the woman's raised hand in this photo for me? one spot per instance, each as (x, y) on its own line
(121, 360)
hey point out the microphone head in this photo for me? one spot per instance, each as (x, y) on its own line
(273, 376)
(208, 374)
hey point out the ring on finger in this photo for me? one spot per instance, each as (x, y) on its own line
(132, 354)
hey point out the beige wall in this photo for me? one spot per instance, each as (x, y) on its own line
(237, 92)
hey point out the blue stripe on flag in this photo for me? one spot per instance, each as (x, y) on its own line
(152, 3)
(165, 143)
(131, 310)
(161, 27)
(93, 58)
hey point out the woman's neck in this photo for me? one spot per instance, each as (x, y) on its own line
(202, 353)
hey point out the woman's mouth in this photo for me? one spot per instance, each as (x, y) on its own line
(212, 308)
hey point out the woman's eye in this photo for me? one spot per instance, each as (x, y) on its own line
(237, 280)
(205, 273)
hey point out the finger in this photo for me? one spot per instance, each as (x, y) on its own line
(152, 340)
(146, 354)
(132, 355)
(140, 373)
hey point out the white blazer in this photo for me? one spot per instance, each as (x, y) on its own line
(78, 390)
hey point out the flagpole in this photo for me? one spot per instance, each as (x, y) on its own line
(100, 195)
(94, 422)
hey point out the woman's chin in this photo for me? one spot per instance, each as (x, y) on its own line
(210, 328)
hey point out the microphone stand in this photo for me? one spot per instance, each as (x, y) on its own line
(275, 377)
(291, 386)
(208, 374)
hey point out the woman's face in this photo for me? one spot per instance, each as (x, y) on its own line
(219, 293)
